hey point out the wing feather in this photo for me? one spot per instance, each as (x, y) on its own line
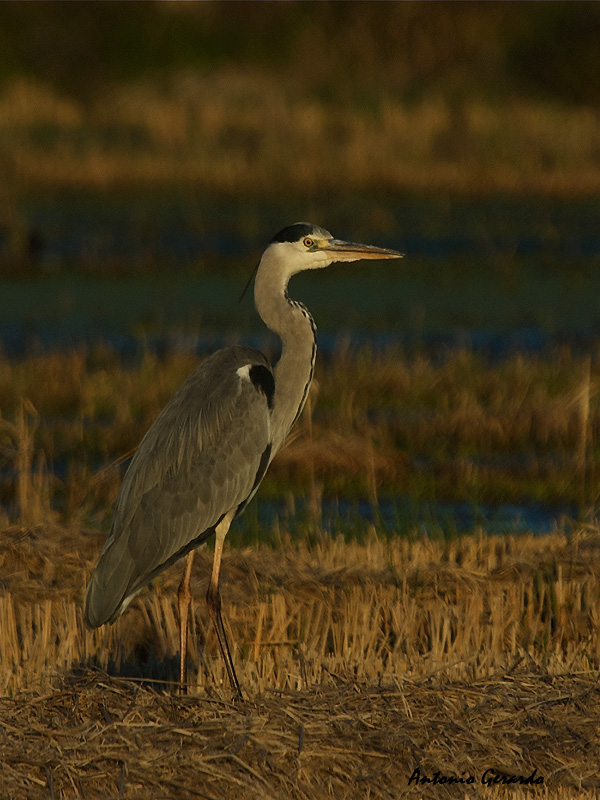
(198, 461)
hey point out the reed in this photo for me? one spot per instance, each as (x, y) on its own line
(188, 134)
(33, 484)
(455, 430)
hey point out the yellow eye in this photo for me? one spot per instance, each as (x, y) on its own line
(308, 242)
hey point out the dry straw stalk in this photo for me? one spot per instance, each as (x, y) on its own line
(361, 663)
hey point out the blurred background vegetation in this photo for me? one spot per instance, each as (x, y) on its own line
(343, 52)
(149, 150)
(241, 98)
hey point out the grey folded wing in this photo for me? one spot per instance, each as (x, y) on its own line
(204, 456)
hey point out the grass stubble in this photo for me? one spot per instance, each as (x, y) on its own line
(361, 660)
(361, 663)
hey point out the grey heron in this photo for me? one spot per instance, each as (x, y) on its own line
(205, 455)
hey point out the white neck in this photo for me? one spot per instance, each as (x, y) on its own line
(295, 326)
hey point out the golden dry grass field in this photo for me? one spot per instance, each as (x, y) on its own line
(360, 662)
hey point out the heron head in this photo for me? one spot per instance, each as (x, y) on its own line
(304, 246)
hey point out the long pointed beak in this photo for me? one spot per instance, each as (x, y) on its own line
(350, 251)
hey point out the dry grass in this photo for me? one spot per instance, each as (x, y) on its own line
(101, 737)
(360, 663)
(379, 609)
(239, 132)
(457, 429)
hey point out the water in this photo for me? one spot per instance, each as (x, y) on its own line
(403, 515)
(495, 275)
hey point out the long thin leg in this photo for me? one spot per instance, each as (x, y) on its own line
(184, 598)
(213, 601)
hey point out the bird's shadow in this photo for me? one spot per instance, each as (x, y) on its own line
(149, 669)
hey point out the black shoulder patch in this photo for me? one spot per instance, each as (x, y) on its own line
(293, 233)
(262, 379)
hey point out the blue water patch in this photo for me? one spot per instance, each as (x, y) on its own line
(18, 340)
(403, 516)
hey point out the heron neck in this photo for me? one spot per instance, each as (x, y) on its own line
(292, 322)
